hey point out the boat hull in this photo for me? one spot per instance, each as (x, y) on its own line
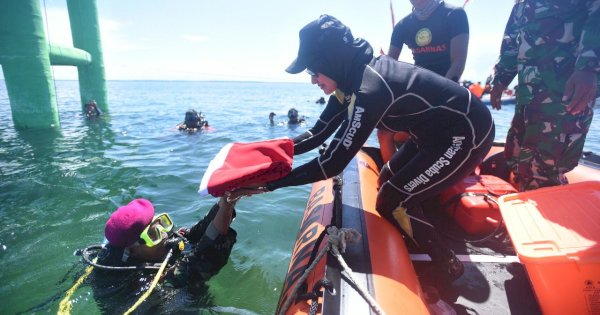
(395, 277)
(379, 261)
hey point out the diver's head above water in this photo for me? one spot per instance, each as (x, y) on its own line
(138, 232)
(293, 116)
(193, 120)
(91, 109)
(271, 118)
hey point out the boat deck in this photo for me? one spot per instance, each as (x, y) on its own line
(494, 281)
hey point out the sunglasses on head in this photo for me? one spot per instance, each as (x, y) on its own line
(152, 235)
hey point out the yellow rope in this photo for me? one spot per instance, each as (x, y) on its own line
(64, 308)
(154, 282)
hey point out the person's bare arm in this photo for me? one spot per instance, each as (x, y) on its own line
(394, 52)
(226, 204)
(223, 218)
(459, 46)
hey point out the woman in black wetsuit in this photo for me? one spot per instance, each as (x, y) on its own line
(451, 131)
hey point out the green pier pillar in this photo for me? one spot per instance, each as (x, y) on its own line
(24, 55)
(85, 29)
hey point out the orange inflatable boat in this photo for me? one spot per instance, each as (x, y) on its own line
(379, 261)
(382, 276)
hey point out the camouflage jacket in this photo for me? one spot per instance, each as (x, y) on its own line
(557, 35)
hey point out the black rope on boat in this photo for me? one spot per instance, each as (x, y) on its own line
(338, 182)
(315, 250)
(336, 245)
(337, 206)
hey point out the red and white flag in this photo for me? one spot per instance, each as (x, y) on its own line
(244, 164)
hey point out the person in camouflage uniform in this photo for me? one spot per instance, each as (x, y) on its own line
(553, 46)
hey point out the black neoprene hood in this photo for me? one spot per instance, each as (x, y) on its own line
(315, 38)
(328, 46)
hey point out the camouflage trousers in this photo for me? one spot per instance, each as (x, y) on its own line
(544, 141)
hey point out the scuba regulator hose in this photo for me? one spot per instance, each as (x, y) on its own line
(87, 251)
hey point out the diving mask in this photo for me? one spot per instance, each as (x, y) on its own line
(152, 235)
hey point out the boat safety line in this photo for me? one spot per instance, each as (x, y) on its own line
(472, 258)
(337, 246)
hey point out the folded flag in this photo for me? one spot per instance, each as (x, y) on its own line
(244, 164)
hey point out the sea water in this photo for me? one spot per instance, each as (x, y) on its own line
(57, 189)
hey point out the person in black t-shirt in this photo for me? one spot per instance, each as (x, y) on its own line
(438, 35)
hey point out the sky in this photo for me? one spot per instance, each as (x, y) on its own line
(251, 40)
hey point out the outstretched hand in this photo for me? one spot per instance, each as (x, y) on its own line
(249, 191)
(231, 197)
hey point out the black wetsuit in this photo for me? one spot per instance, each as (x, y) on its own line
(188, 270)
(451, 132)
(430, 39)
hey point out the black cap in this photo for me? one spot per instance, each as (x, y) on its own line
(315, 37)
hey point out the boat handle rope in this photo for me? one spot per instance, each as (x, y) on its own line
(337, 246)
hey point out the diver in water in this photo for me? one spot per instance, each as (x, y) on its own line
(92, 110)
(138, 240)
(293, 118)
(271, 120)
(193, 121)
(321, 100)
